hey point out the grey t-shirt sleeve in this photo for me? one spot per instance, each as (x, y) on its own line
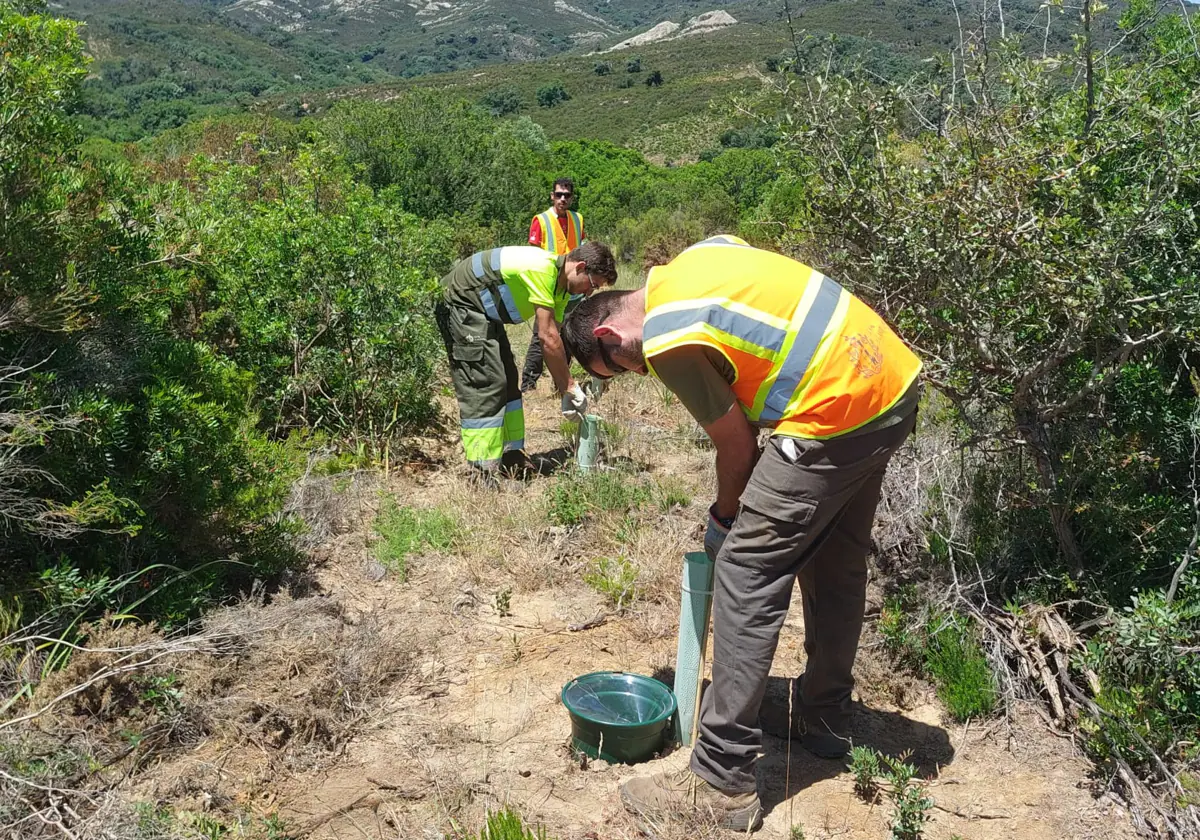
(702, 379)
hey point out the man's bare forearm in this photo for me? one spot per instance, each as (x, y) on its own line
(554, 354)
(737, 453)
(733, 472)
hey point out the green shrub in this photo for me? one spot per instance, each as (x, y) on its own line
(574, 496)
(403, 531)
(443, 159)
(552, 94)
(944, 648)
(615, 579)
(958, 667)
(1150, 680)
(507, 825)
(324, 290)
(502, 102)
(128, 449)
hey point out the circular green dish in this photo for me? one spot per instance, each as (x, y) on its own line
(618, 717)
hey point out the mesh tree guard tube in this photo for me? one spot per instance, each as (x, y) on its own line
(695, 607)
(588, 447)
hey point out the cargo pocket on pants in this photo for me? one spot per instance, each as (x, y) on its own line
(772, 489)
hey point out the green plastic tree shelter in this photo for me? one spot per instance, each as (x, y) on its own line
(695, 607)
(587, 446)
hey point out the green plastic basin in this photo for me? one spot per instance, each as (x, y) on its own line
(618, 717)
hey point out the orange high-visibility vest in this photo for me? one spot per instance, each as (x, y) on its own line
(811, 360)
(554, 238)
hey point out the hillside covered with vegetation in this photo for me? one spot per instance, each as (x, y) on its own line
(157, 65)
(194, 325)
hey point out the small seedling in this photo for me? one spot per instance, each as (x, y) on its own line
(516, 653)
(667, 396)
(910, 804)
(569, 430)
(627, 531)
(671, 493)
(506, 825)
(162, 693)
(503, 602)
(796, 832)
(864, 764)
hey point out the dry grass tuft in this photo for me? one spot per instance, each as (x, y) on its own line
(294, 678)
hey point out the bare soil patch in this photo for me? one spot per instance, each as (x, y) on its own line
(386, 708)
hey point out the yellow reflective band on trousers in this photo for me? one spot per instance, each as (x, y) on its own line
(514, 426)
(483, 440)
(554, 238)
(810, 359)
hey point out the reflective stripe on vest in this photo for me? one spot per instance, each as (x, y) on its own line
(814, 365)
(554, 238)
(504, 310)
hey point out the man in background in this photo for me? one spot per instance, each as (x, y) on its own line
(482, 294)
(558, 230)
(748, 338)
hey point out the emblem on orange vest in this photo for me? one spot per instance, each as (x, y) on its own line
(865, 353)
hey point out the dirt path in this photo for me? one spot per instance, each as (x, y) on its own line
(483, 725)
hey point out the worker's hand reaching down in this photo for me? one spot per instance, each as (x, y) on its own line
(574, 403)
(714, 537)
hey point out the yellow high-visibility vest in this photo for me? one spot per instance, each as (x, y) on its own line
(810, 359)
(554, 238)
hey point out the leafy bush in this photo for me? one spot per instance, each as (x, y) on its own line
(1039, 250)
(124, 443)
(655, 79)
(1150, 680)
(323, 290)
(552, 94)
(502, 102)
(958, 667)
(944, 648)
(444, 159)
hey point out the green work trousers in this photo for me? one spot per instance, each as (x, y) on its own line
(806, 515)
(485, 379)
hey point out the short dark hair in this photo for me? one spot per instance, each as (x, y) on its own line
(578, 331)
(566, 183)
(599, 259)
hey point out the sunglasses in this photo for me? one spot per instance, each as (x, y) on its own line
(562, 194)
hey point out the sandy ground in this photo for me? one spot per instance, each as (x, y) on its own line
(483, 727)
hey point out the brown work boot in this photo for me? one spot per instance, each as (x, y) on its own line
(683, 793)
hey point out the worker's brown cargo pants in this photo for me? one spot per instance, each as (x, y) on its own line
(806, 513)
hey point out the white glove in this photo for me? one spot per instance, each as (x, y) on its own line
(574, 403)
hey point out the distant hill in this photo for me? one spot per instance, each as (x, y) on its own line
(160, 63)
